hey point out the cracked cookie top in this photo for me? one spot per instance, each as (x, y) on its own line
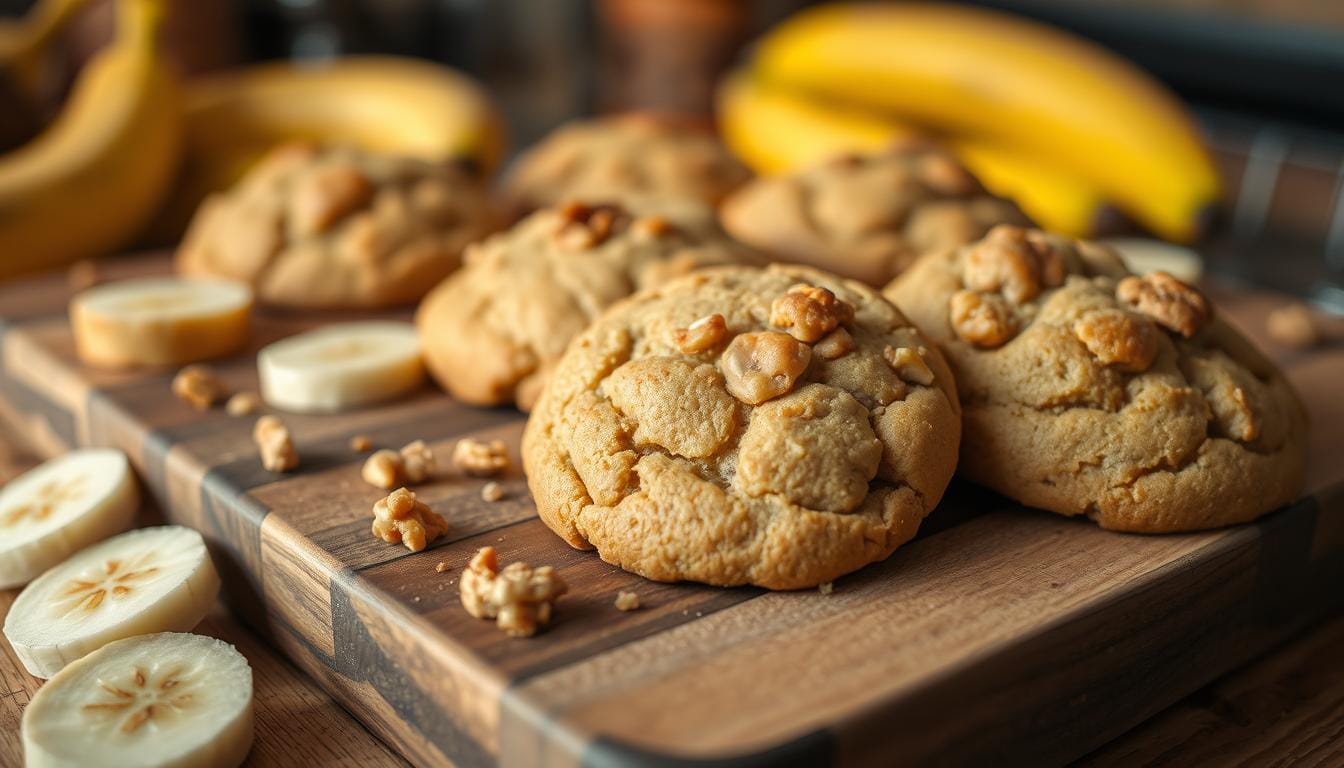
(1088, 390)
(491, 332)
(867, 216)
(778, 427)
(338, 227)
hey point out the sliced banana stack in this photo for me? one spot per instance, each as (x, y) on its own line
(341, 366)
(160, 321)
(147, 580)
(150, 701)
(61, 507)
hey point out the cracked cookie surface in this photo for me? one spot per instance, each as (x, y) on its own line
(338, 227)
(742, 454)
(1087, 390)
(867, 216)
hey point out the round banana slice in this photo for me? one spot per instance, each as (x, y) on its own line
(61, 507)
(148, 580)
(160, 321)
(341, 366)
(1143, 256)
(150, 701)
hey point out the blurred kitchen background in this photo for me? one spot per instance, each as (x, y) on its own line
(1264, 77)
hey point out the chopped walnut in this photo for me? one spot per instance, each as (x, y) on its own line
(519, 598)
(758, 367)
(826, 587)
(383, 469)
(492, 492)
(834, 345)
(627, 601)
(1013, 262)
(276, 446)
(808, 312)
(651, 227)
(198, 386)
(479, 458)
(1293, 325)
(403, 518)
(328, 195)
(1175, 305)
(909, 365)
(1119, 338)
(587, 226)
(417, 461)
(983, 319)
(361, 444)
(243, 404)
(441, 567)
(702, 335)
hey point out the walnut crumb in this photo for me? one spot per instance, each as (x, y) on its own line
(627, 601)
(702, 335)
(761, 366)
(808, 312)
(417, 461)
(834, 345)
(651, 227)
(1293, 325)
(479, 458)
(492, 491)
(520, 598)
(383, 469)
(826, 587)
(1175, 305)
(983, 319)
(361, 444)
(401, 517)
(198, 386)
(584, 226)
(277, 447)
(909, 365)
(441, 567)
(243, 404)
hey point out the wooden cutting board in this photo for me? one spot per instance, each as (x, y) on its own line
(1000, 635)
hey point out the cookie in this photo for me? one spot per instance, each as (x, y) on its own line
(1090, 391)
(492, 330)
(613, 159)
(778, 427)
(338, 227)
(867, 216)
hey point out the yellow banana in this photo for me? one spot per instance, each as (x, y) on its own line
(89, 182)
(775, 130)
(972, 72)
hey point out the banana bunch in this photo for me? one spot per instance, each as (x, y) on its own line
(1064, 127)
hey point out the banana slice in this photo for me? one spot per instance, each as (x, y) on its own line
(341, 366)
(150, 701)
(61, 507)
(147, 580)
(160, 321)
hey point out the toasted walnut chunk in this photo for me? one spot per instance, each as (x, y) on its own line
(983, 319)
(808, 312)
(1119, 338)
(761, 366)
(834, 345)
(361, 444)
(401, 517)
(479, 458)
(1014, 263)
(275, 444)
(383, 469)
(243, 404)
(584, 226)
(702, 335)
(1175, 305)
(417, 461)
(327, 196)
(1293, 325)
(492, 492)
(909, 365)
(651, 227)
(627, 601)
(198, 386)
(520, 599)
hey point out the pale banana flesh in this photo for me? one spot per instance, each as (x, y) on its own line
(152, 701)
(61, 507)
(148, 580)
(341, 366)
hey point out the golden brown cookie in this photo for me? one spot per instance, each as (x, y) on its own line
(613, 159)
(1087, 390)
(338, 227)
(778, 427)
(491, 332)
(867, 216)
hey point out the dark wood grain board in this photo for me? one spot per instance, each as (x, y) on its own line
(1000, 635)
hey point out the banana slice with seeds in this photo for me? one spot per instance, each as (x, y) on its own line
(150, 701)
(341, 366)
(60, 507)
(147, 580)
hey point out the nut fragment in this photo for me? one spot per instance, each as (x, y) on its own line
(243, 404)
(276, 446)
(983, 319)
(441, 567)
(826, 587)
(479, 458)
(198, 386)
(1014, 262)
(492, 491)
(519, 598)
(1175, 305)
(834, 345)
(627, 601)
(1293, 325)
(761, 366)
(587, 226)
(361, 443)
(651, 227)
(701, 335)
(400, 517)
(417, 461)
(1119, 338)
(909, 365)
(808, 312)
(383, 469)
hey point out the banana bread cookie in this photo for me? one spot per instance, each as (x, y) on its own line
(338, 227)
(867, 216)
(1088, 390)
(493, 329)
(614, 158)
(778, 427)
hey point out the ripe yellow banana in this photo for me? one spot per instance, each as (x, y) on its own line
(971, 72)
(775, 130)
(91, 181)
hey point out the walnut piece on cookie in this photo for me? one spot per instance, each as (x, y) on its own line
(402, 518)
(1088, 390)
(520, 599)
(768, 463)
